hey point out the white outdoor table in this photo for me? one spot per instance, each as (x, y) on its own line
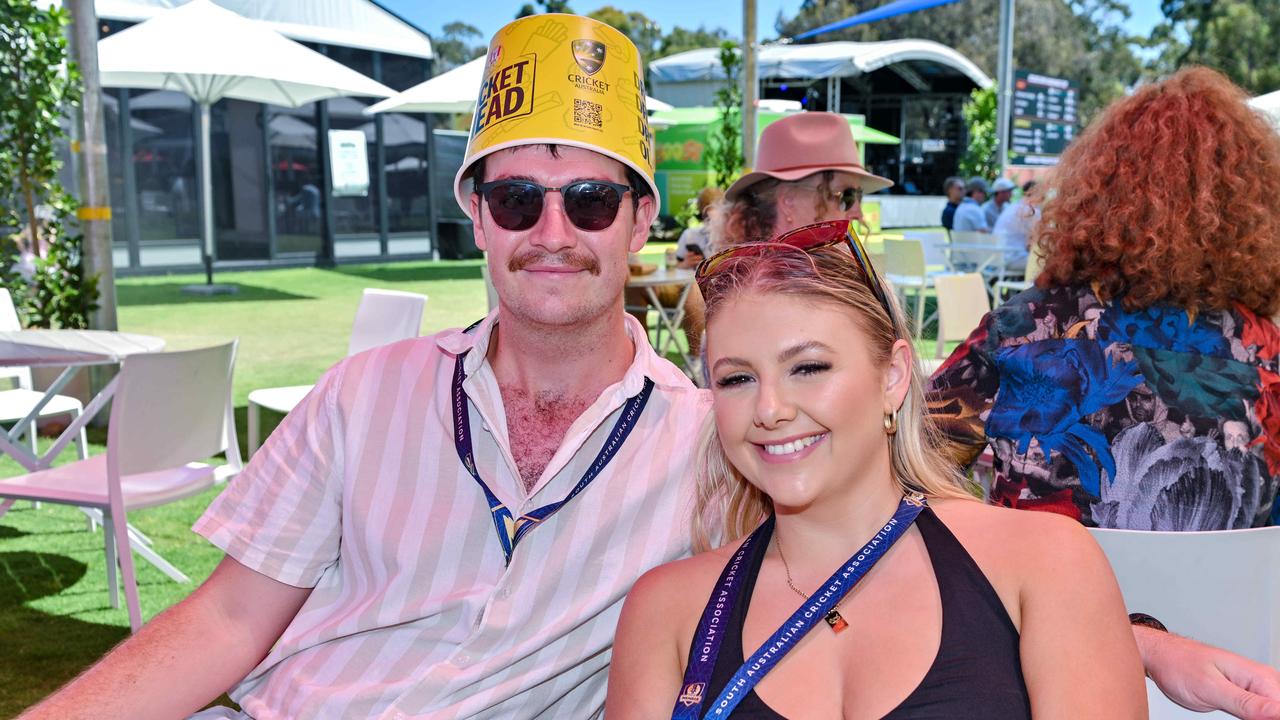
(668, 318)
(74, 349)
(996, 258)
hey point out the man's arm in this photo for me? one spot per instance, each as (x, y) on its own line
(1202, 678)
(186, 656)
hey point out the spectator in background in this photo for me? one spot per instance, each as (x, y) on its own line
(1014, 226)
(1002, 192)
(1103, 390)
(969, 216)
(808, 170)
(695, 241)
(954, 190)
(1138, 385)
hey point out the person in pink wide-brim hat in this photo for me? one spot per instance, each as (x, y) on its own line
(808, 170)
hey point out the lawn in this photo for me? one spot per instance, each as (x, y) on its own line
(292, 325)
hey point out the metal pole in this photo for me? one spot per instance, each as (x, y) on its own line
(749, 83)
(1004, 84)
(206, 191)
(95, 198)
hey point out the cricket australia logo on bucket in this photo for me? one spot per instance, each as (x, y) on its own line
(589, 55)
(507, 92)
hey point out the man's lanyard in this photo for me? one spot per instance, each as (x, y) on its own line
(702, 659)
(511, 530)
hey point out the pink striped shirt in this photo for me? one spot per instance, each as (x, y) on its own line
(360, 494)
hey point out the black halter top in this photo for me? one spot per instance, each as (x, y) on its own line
(977, 673)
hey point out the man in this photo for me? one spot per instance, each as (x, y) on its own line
(1002, 191)
(367, 572)
(372, 570)
(969, 216)
(1013, 228)
(954, 190)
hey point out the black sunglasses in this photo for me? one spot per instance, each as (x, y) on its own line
(849, 198)
(807, 238)
(591, 205)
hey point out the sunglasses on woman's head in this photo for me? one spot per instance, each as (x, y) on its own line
(808, 238)
(591, 205)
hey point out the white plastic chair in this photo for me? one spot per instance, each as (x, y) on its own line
(1222, 588)
(962, 303)
(1035, 264)
(170, 412)
(18, 403)
(384, 316)
(905, 268)
(934, 244)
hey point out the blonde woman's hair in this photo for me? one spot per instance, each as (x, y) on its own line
(728, 507)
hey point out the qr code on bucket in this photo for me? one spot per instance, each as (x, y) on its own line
(587, 113)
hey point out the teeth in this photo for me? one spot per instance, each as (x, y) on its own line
(794, 446)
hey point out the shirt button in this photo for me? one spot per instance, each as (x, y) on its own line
(462, 660)
(484, 426)
(504, 593)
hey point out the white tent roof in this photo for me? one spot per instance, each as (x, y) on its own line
(350, 23)
(819, 60)
(452, 92)
(210, 53)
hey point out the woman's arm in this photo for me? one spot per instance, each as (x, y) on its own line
(648, 663)
(1078, 652)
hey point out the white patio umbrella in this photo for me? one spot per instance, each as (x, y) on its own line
(210, 53)
(453, 92)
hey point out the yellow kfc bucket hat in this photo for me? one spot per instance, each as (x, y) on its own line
(563, 79)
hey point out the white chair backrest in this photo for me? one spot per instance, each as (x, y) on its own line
(9, 322)
(8, 313)
(1222, 588)
(904, 257)
(970, 257)
(491, 293)
(934, 244)
(1035, 263)
(171, 409)
(962, 302)
(385, 316)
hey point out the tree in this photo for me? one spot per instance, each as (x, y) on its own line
(456, 46)
(1077, 39)
(1240, 38)
(548, 6)
(645, 33)
(724, 152)
(980, 116)
(37, 85)
(682, 39)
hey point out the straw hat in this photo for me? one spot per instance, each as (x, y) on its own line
(564, 80)
(800, 145)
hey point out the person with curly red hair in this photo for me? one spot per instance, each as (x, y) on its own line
(1137, 385)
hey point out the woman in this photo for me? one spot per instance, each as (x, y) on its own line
(819, 432)
(1138, 384)
(808, 170)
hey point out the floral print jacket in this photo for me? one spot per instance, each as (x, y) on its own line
(1149, 420)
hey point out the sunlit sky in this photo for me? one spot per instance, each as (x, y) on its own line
(489, 15)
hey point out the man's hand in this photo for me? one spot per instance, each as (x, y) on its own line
(1202, 678)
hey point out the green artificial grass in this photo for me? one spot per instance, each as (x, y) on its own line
(292, 324)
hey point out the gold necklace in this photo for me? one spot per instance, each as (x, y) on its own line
(833, 618)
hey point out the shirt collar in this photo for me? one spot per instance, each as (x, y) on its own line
(644, 363)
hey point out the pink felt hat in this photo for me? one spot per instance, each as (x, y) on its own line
(800, 145)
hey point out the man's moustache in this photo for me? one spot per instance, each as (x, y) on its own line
(568, 259)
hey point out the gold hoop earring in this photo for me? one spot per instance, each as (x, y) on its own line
(891, 422)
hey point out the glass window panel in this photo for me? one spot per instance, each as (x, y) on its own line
(295, 172)
(164, 168)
